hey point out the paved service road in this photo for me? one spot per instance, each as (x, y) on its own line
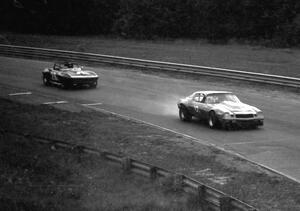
(153, 98)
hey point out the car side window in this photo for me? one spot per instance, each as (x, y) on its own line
(198, 97)
(208, 99)
(56, 67)
(211, 99)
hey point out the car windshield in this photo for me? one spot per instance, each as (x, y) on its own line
(221, 97)
(66, 66)
(70, 65)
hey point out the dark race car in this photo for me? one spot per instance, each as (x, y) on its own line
(219, 108)
(69, 75)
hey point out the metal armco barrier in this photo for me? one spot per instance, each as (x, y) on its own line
(209, 198)
(40, 53)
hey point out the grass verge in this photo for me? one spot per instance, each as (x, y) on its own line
(38, 177)
(236, 177)
(232, 56)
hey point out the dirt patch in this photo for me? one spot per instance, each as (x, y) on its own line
(234, 176)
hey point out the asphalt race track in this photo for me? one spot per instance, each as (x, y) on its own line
(152, 98)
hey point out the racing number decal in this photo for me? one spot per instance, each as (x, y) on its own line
(196, 107)
(53, 76)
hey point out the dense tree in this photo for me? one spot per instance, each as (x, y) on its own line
(276, 21)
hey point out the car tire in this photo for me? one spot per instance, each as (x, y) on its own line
(184, 115)
(46, 81)
(94, 85)
(212, 120)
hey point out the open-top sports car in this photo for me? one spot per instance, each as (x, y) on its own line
(69, 75)
(219, 108)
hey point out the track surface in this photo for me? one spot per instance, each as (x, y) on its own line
(152, 98)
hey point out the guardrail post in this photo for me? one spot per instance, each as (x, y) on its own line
(177, 182)
(126, 164)
(103, 154)
(201, 197)
(153, 173)
(78, 149)
(225, 203)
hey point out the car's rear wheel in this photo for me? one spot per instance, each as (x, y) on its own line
(46, 81)
(184, 115)
(212, 120)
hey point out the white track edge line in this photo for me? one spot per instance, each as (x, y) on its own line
(55, 102)
(91, 104)
(20, 93)
(196, 140)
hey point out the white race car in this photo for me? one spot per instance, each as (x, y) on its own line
(219, 108)
(69, 75)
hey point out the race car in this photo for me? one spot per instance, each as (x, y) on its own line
(219, 109)
(69, 75)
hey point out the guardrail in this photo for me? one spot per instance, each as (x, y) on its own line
(40, 53)
(209, 198)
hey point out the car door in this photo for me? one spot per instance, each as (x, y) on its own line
(54, 72)
(197, 104)
(206, 106)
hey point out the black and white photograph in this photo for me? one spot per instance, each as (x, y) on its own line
(149, 105)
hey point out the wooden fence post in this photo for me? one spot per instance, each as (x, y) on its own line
(201, 197)
(153, 173)
(78, 149)
(177, 182)
(126, 164)
(225, 203)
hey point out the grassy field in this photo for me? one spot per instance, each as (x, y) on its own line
(236, 177)
(233, 56)
(38, 177)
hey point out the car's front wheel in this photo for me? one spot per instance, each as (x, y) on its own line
(212, 120)
(184, 115)
(46, 81)
(94, 84)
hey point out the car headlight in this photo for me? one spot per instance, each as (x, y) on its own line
(66, 75)
(260, 114)
(227, 116)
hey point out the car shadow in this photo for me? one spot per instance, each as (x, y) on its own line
(204, 124)
(73, 88)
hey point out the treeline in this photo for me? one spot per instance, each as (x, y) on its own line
(277, 21)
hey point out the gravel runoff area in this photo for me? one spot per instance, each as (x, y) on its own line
(232, 56)
(76, 124)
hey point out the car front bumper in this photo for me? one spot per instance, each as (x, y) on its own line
(243, 122)
(80, 81)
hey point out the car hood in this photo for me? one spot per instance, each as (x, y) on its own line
(78, 72)
(233, 107)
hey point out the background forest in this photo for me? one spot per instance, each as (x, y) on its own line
(276, 22)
